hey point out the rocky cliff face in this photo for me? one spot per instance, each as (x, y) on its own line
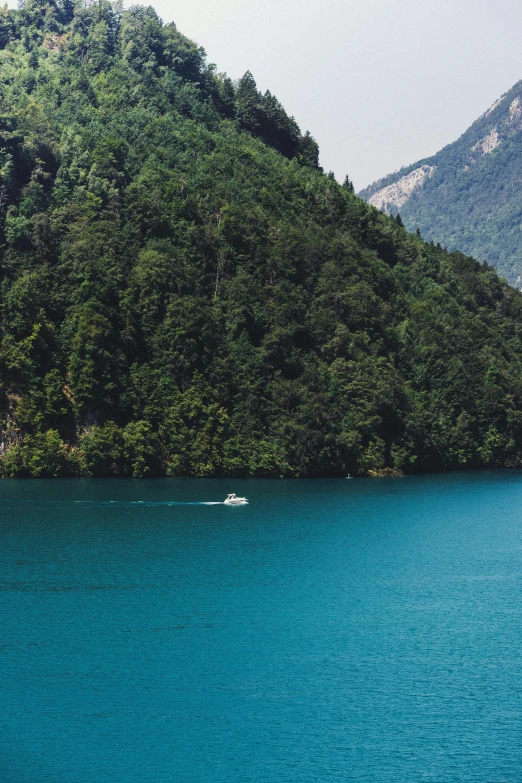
(468, 195)
(394, 196)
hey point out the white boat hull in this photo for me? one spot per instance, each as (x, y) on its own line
(236, 502)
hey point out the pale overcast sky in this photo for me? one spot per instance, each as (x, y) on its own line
(379, 83)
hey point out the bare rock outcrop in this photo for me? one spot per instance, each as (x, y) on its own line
(490, 142)
(396, 195)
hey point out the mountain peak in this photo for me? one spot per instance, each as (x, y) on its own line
(467, 196)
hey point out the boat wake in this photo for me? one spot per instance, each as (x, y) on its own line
(118, 503)
(166, 503)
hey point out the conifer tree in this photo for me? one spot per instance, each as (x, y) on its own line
(178, 297)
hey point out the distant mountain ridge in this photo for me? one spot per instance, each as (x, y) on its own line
(467, 196)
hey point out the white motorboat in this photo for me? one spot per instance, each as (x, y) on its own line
(233, 500)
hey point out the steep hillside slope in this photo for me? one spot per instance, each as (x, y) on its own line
(184, 292)
(469, 195)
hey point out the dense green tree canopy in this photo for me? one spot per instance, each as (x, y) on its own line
(184, 292)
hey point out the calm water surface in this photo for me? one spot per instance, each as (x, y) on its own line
(330, 631)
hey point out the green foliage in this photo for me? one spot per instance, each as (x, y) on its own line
(103, 449)
(15, 462)
(47, 458)
(264, 117)
(140, 450)
(184, 292)
(41, 456)
(193, 431)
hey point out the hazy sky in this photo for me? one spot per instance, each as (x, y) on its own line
(379, 83)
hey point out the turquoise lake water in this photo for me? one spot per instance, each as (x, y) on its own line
(331, 630)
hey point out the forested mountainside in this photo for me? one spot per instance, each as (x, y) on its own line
(469, 195)
(184, 292)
